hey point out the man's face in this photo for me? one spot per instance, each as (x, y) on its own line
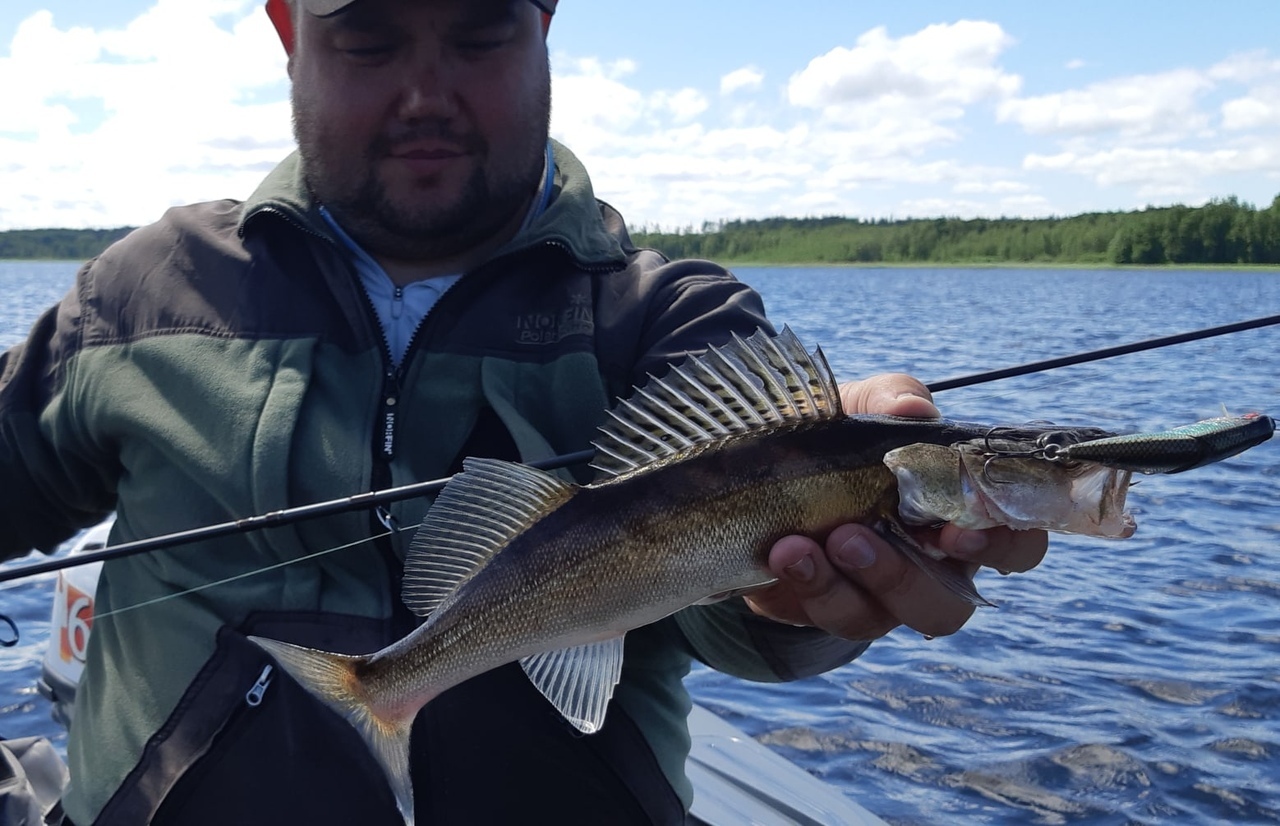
(421, 124)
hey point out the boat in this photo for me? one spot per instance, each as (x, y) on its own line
(737, 781)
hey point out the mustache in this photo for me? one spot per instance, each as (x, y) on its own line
(436, 131)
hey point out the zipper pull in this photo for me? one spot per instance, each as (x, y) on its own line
(397, 302)
(254, 695)
(390, 398)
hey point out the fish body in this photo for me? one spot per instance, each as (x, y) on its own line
(700, 472)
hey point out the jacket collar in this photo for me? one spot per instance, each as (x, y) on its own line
(571, 222)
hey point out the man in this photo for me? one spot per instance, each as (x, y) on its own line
(428, 278)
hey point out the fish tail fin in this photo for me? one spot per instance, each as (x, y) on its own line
(335, 679)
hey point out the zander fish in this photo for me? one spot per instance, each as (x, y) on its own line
(700, 472)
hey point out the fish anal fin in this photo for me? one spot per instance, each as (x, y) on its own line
(578, 681)
(476, 515)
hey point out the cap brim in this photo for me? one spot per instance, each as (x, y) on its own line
(324, 8)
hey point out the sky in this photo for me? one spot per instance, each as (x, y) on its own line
(687, 112)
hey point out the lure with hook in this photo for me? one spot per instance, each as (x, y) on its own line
(1070, 481)
(1171, 451)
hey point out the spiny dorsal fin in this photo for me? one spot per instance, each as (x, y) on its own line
(749, 384)
(475, 516)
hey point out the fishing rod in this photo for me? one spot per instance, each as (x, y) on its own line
(362, 501)
(1105, 353)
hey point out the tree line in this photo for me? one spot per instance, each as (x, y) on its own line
(58, 244)
(1224, 231)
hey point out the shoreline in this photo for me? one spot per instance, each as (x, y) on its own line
(897, 265)
(997, 265)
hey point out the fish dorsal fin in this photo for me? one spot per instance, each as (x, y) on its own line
(476, 515)
(747, 385)
(578, 681)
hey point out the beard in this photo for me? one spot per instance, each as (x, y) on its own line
(425, 225)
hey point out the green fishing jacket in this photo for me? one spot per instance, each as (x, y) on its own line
(225, 362)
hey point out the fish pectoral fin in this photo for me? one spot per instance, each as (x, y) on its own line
(733, 592)
(939, 569)
(578, 681)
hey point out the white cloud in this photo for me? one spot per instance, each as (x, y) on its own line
(1158, 136)
(1160, 171)
(167, 119)
(748, 78)
(942, 64)
(684, 105)
(592, 106)
(1259, 107)
(987, 186)
(1255, 112)
(1161, 104)
(1077, 63)
(108, 127)
(1246, 67)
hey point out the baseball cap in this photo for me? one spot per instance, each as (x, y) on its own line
(324, 8)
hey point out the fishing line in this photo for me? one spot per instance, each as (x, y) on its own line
(146, 603)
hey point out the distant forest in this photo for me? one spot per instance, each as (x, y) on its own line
(1220, 232)
(58, 244)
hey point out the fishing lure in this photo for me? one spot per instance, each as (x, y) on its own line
(1170, 451)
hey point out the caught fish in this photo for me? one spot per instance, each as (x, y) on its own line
(699, 473)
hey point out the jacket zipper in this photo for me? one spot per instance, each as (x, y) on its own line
(253, 697)
(390, 401)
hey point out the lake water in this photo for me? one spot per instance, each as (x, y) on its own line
(1118, 683)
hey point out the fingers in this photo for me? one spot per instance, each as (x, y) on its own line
(811, 591)
(899, 586)
(892, 394)
(1003, 549)
(857, 587)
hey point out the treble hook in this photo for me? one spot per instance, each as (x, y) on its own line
(1048, 447)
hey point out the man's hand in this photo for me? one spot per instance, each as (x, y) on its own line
(855, 585)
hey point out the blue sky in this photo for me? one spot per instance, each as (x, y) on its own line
(689, 112)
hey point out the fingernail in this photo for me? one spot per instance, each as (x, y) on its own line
(856, 552)
(970, 542)
(801, 570)
(905, 396)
